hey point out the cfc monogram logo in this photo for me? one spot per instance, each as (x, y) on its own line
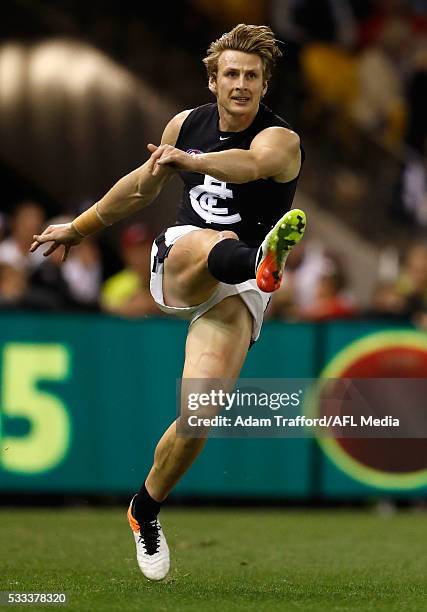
(204, 200)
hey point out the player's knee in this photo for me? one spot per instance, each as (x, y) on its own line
(228, 234)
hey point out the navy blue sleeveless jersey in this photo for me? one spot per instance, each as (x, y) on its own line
(249, 209)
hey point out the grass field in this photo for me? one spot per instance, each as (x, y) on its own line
(223, 560)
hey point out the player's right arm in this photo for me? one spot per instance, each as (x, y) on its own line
(131, 193)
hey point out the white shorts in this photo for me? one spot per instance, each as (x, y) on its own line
(255, 299)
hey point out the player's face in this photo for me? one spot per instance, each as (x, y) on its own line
(239, 84)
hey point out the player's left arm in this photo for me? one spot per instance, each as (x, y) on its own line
(274, 153)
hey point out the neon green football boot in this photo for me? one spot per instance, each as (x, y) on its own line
(277, 245)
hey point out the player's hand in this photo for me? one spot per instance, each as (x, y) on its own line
(167, 155)
(62, 234)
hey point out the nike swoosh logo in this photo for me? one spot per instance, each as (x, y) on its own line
(224, 137)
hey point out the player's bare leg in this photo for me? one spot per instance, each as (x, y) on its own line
(224, 330)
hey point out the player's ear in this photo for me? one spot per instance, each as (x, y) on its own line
(212, 84)
(264, 89)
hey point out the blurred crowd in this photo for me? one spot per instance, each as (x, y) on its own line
(30, 281)
(360, 66)
(363, 59)
(315, 289)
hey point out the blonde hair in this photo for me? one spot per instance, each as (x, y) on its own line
(249, 39)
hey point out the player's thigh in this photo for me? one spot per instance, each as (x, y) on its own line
(218, 342)
(187, 280)
(216, 348)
